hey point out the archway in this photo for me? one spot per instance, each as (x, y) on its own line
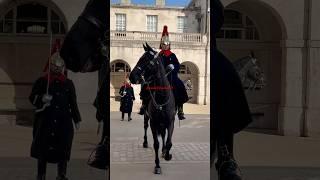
(189, 74)
(25, 28)
(255, 26)
(119, 70)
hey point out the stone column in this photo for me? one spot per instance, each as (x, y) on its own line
(312, 122)
(201, 88)
(291, 106)
(313, 93)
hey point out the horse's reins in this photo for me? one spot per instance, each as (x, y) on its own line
(158, 106)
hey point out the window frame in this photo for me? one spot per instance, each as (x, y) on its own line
(122, 25)
(243, 29)
(154, 22)
(33, 26)
(182, 29)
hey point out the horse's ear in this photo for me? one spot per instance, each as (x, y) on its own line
(149, 48)
(144, 47)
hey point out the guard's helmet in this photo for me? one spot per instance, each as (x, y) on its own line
(165, 37)
(56, 60)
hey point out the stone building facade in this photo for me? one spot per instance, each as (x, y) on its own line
(284, 35)
(131, 25)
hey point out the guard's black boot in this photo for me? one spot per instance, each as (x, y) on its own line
(141, 112)
(62, 170)
(129, 117)
(227, 167)
(181, 116)
(122, 116)
(100, 158)
(180, 112)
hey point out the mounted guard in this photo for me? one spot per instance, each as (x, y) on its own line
(172, 66)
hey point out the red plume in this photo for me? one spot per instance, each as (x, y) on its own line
(165, 30)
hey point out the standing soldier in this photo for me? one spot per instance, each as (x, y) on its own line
(171, 63)
(127, 97)
(55, 100)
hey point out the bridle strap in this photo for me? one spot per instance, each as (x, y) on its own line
(158, 106)
(96, 22)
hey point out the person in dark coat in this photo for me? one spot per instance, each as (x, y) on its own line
(56, 113)
(127, 97)
(171, 63)
(229, 107)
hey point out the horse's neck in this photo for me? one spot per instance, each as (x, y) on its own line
(162, 81)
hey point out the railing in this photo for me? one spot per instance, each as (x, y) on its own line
(150, 36)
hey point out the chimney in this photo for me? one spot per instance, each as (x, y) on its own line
(160, 3)
(125, 2)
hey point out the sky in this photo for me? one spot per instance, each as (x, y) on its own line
(181, 3)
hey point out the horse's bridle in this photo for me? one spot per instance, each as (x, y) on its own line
(152, 63)
(98, 24)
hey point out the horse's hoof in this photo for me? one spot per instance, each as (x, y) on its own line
(229, 170)
(157, 170)
(163, 154)
(164, 150)
(168, 157)
(145, 145)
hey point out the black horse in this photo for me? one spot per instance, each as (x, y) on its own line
(85, 50)
(161, 105)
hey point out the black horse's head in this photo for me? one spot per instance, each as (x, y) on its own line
(146, 66)
(85, 46)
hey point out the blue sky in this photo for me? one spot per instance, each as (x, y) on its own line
(150, 2)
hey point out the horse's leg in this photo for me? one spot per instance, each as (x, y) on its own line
(157, 169)
(146, 125)
(163, 136)
(167, 155)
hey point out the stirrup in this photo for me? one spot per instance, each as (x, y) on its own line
(228, 168)
(181, 116)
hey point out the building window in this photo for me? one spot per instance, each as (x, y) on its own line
(184, 69)
(31, 18)
(120, 67)
(152, 23)
(57, 26)
(238, 26)
(182, 24)
(6, 24)
(120, 22)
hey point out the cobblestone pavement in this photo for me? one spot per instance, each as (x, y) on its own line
(190, 150)
(181, 152)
